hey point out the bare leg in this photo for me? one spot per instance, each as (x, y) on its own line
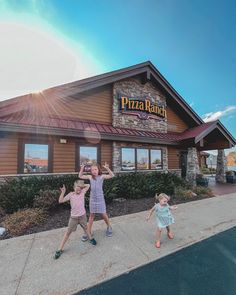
(158, 234)
(65, 238)
(90, 223)
(106, 219)
(158, 238)
(169, 233)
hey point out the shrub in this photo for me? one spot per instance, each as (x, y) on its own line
(18, 193)
(19, 222)
(141, 185)
(184, 194)
(47, 199)
(2, 213)
(209, 170)
(203, 191)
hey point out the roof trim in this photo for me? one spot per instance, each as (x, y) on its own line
(6, 127)
(216, 125)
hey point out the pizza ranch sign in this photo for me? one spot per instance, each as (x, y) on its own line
(143, 108)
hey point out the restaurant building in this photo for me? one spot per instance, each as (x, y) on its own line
(131, 118)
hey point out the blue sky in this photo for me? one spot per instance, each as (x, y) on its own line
(192, 43)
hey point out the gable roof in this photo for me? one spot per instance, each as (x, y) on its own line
(147, 69)
(21, 114)
(201, 131)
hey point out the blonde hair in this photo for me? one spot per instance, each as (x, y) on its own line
(79, 183)
(161, 196)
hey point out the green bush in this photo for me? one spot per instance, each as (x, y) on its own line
(2, 213)
(19, 222)
(141, 185)
(209, 170)
(18, 193)
(26, 192)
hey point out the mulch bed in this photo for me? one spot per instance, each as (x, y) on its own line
(59, 217)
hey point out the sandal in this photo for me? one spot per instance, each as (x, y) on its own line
(58, 254)
(158, 244)
(170, 235)
(93, 242)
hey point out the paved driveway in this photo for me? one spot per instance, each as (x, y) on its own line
(205, 268)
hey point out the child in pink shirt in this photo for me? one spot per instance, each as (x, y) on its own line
(78, 213)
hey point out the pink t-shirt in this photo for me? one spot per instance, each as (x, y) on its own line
(76, 203)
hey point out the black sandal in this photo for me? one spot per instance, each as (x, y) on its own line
(93, 242)
(58, 254)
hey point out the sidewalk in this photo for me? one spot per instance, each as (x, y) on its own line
(27, 265)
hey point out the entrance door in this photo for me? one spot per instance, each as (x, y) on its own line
(183, 163)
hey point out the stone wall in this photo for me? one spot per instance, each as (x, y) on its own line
(220, 167)
(192, 165)
(134, 88)
(116, 161)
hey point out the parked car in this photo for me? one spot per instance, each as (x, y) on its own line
(127, 167)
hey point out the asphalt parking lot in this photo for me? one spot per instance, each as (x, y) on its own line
(205, 268)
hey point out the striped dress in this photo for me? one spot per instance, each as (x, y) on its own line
(163, 215)
(97, 201)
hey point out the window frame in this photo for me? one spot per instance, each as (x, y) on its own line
(149, 158)
(21, 154)
(161, 158)
(148, 153)
(77, 153)
(135, 158)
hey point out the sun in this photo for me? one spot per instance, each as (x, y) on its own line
(34, 58)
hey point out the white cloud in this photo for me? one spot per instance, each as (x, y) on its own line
(212, 116)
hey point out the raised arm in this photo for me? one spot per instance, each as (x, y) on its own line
(86, 187)
(110, 173)
(174, 207)
(61, 198)
(150, 212)
(81, 172)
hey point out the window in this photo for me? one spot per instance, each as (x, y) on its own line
(36, 158)
(141, 159)
(128, 159)
(156, 159)
(88, 155)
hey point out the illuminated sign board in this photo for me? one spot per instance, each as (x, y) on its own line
(143, 108)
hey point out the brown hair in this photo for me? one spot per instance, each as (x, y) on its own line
(99, 169)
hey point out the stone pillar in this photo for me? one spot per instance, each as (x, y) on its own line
(192, 165)
(220, 167)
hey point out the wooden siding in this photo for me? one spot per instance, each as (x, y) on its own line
(8, 155)
(175, 123)
(106, 153)
(173, 158)
(64, 157)
(94, 105)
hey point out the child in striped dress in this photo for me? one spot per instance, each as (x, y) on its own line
(164, 217)
(97, 202)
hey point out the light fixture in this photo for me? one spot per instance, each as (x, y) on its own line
(63, 140)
